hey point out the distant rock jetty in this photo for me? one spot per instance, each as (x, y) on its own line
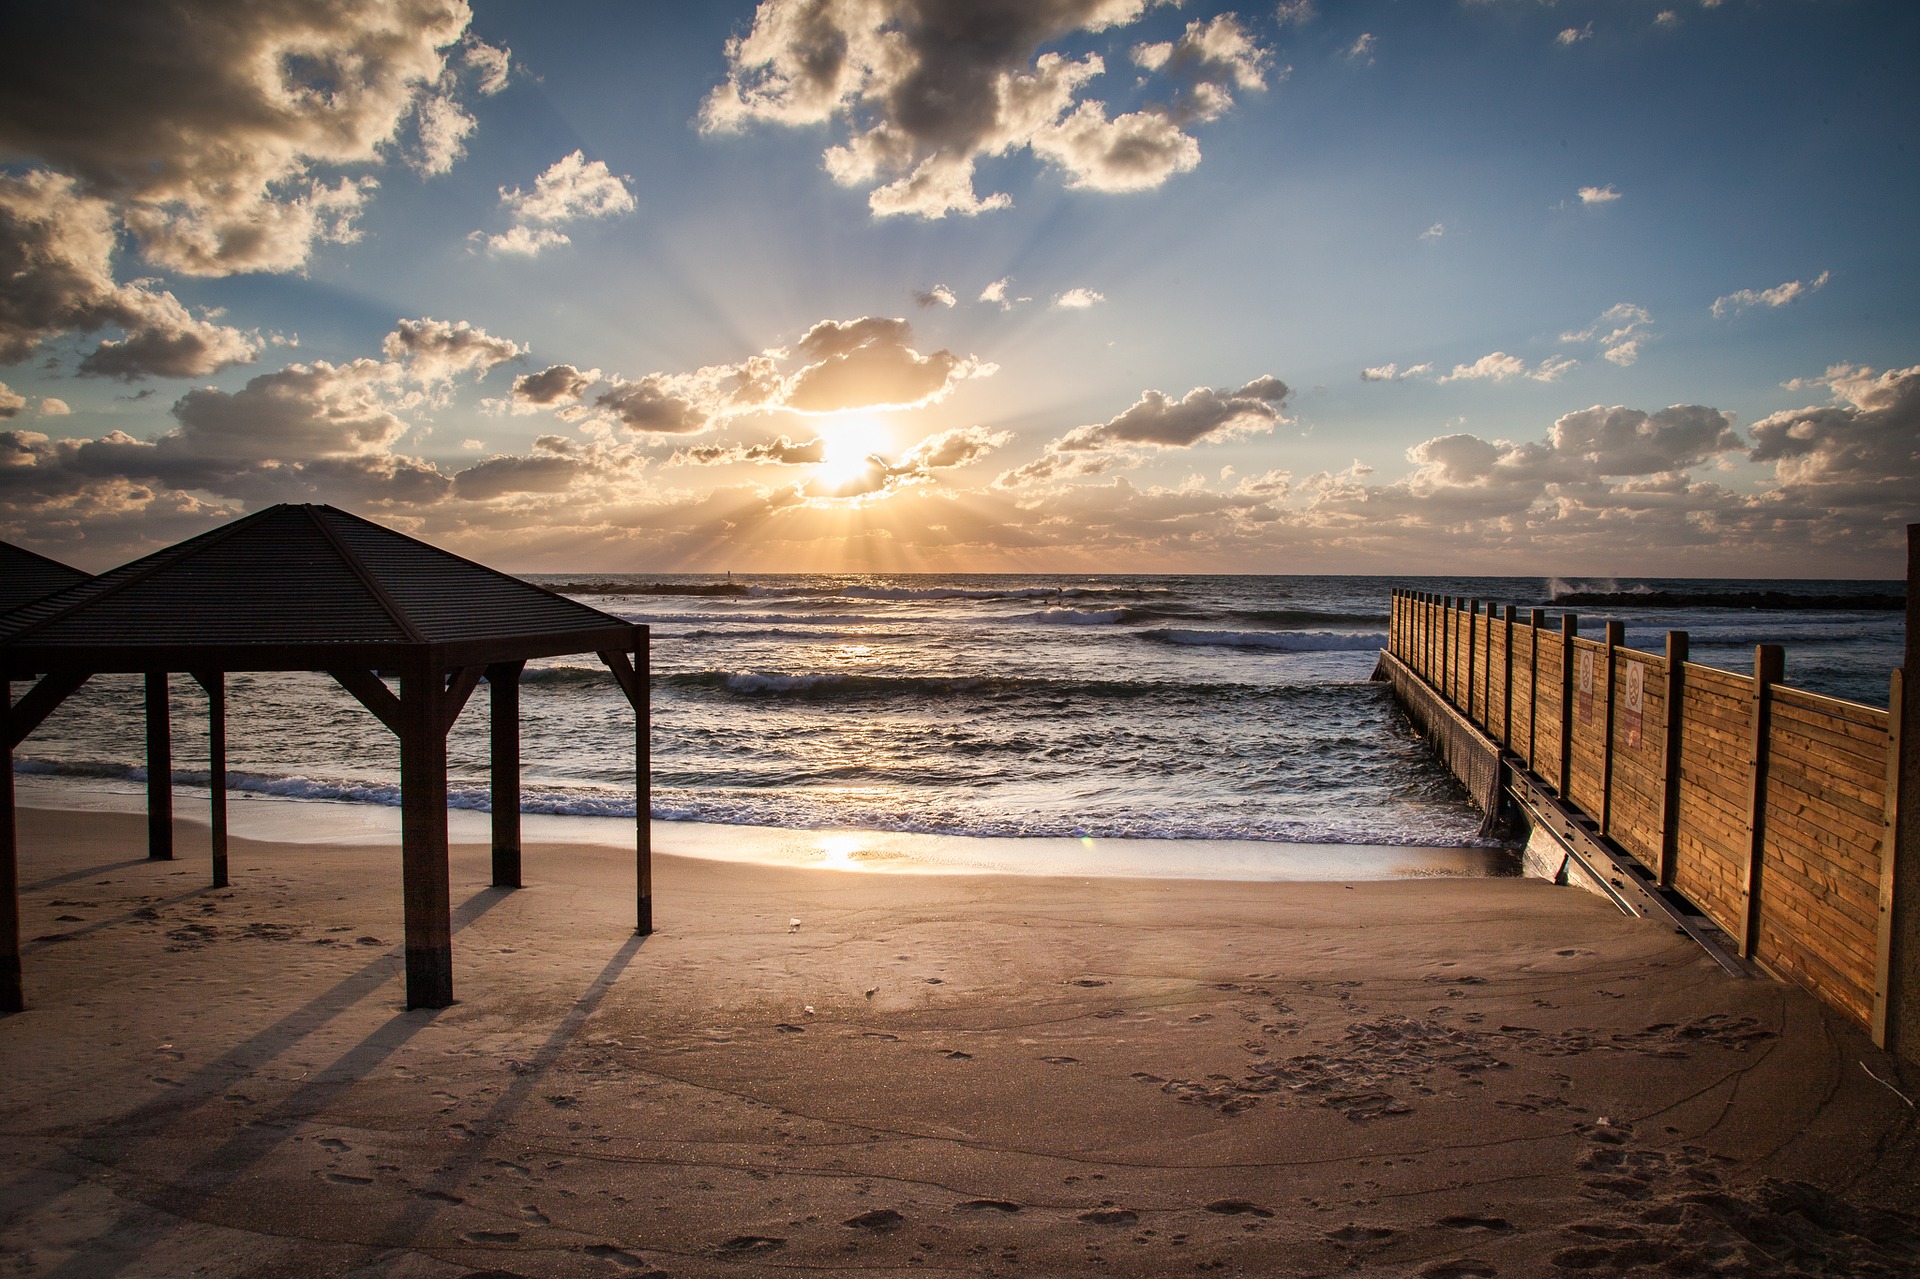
(1780, 601)
(648, 588)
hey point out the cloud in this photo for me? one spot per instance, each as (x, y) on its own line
(1859, 455)
(436, 351)
(51, 407)
(558, 386)
(1079, 299)
(1666, 18)
(1599, 195)
(938, 295)
(948, 449)
(573, 189)
(927, 88)
(1619, 331)
(1294, 12)
(1158, 421)
(997, 293)
(1501, 367)
(1777, 296)
(867, 363)
(10, 402)
(56, 248)
(781, 451)
(1361, 50)
(1434, 232)
(1394, 373)
(207, 125)
(1574, 35)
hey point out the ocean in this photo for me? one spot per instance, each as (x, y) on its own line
(1106, 707)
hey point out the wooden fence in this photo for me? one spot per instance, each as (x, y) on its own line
(1774, 811)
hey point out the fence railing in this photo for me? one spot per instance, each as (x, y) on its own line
(1772, 810)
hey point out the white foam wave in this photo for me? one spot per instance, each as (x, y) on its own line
(1281, 641)
(1077, 617)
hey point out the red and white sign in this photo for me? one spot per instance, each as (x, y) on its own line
(1633, 700)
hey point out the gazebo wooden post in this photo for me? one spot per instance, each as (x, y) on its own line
(215, 682)
(425, 882)
(503, 681)
(12, 999)
(643, 778)
(159, 770)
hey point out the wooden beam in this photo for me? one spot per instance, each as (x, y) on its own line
(425, 881)
(42, 700)
(1880, 1020)
(159, 770)
(503, 684)
(1677, 645)
(371, 693)
(1536, 621)
(1616, 638)
(1903, 974)
(1506, 676)
(12, 996)
(460, 686)
(215, 683)
(1473, 653)
(643, 781)
(1569, 631)
(1769, 665)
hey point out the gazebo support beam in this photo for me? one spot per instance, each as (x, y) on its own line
(503, 683)
(634, 678)
(425, 885)
(159, 770)
(12, 998)
(215, 682)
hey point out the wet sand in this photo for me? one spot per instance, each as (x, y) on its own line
(1010, 1075)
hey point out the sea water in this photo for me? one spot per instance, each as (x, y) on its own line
(1110, 707)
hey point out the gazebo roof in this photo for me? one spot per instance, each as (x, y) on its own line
(26, 576)
(299, 587)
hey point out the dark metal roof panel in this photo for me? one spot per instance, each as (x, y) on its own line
(26, 576)
(449, 599)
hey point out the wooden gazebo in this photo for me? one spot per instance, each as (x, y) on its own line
(313, 588)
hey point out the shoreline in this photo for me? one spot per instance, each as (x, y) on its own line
(833, 1071)
(333, 822)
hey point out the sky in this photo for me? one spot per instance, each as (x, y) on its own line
(1568, 287)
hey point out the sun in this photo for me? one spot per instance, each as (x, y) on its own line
(848, 443)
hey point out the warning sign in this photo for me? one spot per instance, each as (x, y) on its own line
(1583, 684)
(1633, 698)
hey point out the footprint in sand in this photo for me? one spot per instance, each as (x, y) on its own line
(618, 1256)
(334, 1144)
(1061, 1061)
(531, 1212)
(438, 1196)
(1360, 1234)
(880, 1221)
(1460, 1268)
(492, 1236)
(346, 1179)
(1110, 1217)
(1086, 981)
(1467, 1221)
(741, 1244)
(994, 1205)
(954, 1054)
(1229, 1207)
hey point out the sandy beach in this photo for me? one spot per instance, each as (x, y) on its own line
(811, 1070)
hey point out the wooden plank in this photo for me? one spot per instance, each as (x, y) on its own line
(1880, 1018)
(215, 684)
(159, 769)
(1800, 699)
(1769, 663)
(503, 731)
(427, 910)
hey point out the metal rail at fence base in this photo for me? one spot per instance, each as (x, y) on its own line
(1575, 852)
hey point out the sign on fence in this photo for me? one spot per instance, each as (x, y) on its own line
(1633, 696)
(1583, 683)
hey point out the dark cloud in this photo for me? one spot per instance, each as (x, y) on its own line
(559, 385)
(927, 88)
(777, 452)
(206, 122)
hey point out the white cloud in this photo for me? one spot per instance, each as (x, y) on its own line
(436, 351)
(1079, 299)
(1157, 421)
(1777, 296)
(1434, 232)
(1394, 373)
(998, 293)
(1361, 50)
(1573, 35)
(573, 189)
(1666, 18)
(1498, 366)
(1599, 195)
(10, 402)
(938, 295)
(1293, 12)
(51, 407)
(1619, 331)
(923, 100)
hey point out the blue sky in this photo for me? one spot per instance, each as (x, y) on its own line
(1485, 285)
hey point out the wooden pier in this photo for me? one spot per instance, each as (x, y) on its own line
(1785, 818)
